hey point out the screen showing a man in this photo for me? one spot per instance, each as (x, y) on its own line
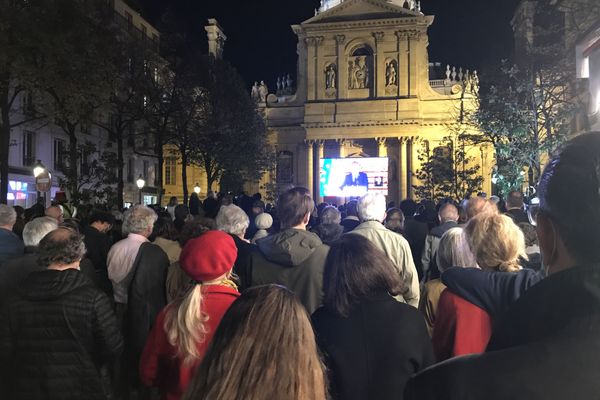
(356, 182)
(347, 177)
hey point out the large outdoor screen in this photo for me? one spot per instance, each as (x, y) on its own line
(353, 177)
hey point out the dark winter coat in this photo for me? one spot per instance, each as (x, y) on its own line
(147, 295)
(494, 292)
(98, 245)
(293, 258)
(372, 353)
(546, 347)
(14, 271)
(54, 336)
(242, 262)
(10, 245)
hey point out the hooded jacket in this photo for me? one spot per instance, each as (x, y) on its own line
(54, 336)
(293, 258)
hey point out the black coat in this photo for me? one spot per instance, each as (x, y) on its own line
(147, 295)
(54, 336)
(98, 245)
(242, 263)
(372, 353)
(546, 347)
(14, 271)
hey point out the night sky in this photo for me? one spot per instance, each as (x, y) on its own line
(261, 45)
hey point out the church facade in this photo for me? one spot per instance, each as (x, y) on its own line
(365, 89)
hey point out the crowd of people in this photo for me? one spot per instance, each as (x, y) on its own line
(229, 298)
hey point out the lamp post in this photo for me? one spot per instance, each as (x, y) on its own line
(197, 189)
(43, 179)
(140, 184)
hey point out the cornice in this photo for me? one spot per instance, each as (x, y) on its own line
(397, 23)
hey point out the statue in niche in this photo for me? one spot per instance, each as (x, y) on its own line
(358, 72)
(263, 91)
(391, 73)
(255, 94)
(330, 76)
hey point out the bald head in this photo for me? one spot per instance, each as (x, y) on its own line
(55, 212)
(448, 212)
(61, 248)
(478, 205)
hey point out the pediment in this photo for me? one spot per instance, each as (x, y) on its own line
(355, 10)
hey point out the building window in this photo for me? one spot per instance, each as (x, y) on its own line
(145, 170)
(28, 148)
(129, 19)
(130, 170)
(27, 104)
(156, 175)
(285, 167)
(60, 152)
(170, 170)
(84, 160)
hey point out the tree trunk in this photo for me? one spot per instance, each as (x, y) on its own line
(72, 174)
(184, 161)
(4, 150)
(120, 168)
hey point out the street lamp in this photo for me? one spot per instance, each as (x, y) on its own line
(197, 189)
(140, 184)
(38, 168)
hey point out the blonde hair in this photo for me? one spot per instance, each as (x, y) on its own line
(185, 324)
(479, 205)
(263, 349)
(496, 242)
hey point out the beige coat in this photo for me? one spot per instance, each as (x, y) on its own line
(398, 250)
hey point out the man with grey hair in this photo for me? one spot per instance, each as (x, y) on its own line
(10, 244)
(233, 220)
(59, 330)
(14, 271)
(371, 212)
(137, 269)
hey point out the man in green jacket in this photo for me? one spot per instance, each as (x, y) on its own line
(371, 212)
(294, 257)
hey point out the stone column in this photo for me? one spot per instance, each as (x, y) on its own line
(378, 67)
(414, 38)
(309, 165)
(402, 168)
(381, 147)
(311, 79)
(320, 149)
(342, 148)
(409, 167)
(342, 71)
(403, 59)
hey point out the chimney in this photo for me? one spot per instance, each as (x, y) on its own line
(216, 38)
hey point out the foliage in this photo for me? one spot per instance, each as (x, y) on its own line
(97, 176)
(231, 135)
(447, 171)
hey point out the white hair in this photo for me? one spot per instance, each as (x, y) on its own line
(371, 207)
(232, 219)
(35, 230)
(8, 215)
(263, 221)
(454, 251)
(138, 219)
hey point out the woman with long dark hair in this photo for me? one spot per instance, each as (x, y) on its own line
(264, 349)
(372, 343)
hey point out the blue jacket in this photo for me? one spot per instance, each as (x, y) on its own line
(10, 245)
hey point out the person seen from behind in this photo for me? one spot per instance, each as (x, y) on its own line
(264, 349)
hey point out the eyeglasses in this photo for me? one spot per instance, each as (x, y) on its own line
(533, 209)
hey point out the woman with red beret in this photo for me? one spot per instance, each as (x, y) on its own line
(184, 328)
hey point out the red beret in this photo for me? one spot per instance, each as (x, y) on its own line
(208, 256)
